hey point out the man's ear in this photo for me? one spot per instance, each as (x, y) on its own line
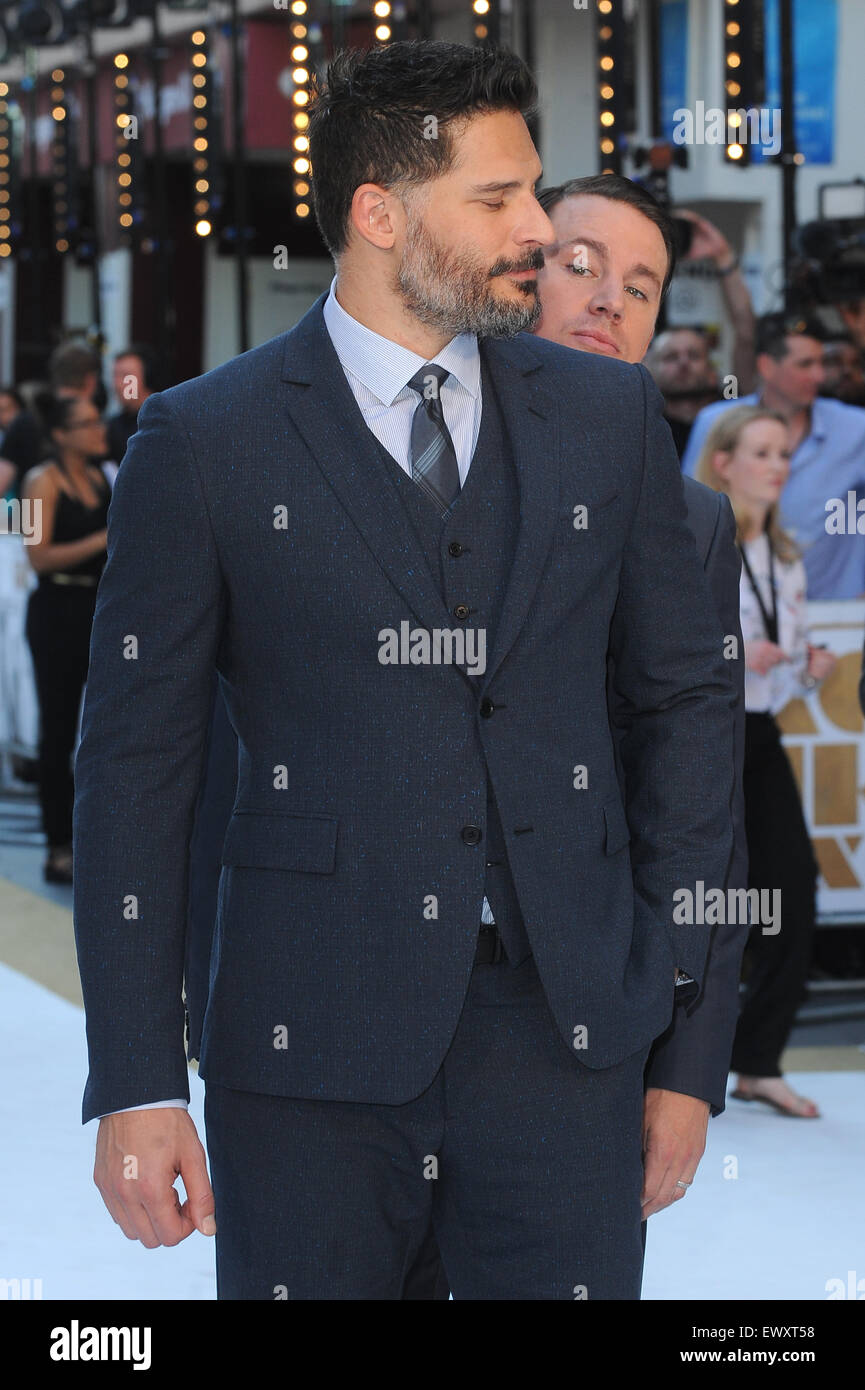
(764, 362)
(375, 215)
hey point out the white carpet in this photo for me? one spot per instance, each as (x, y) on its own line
(53, 1224)
(792, 1220)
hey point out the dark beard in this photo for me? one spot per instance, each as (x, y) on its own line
(452, 292)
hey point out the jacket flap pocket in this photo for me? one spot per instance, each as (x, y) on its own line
(602, 504)
(281, 840)
(592, 508)
(616, 822)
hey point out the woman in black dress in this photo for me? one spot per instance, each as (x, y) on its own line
(74, 494)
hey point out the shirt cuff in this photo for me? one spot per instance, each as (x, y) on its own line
(151, 1105)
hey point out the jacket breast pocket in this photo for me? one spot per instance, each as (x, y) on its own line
(281, 840)
(616, 831)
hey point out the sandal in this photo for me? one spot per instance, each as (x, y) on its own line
(794, 1112)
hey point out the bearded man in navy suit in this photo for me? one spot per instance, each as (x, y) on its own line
(446, 938)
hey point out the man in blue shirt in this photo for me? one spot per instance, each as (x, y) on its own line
(828, 441)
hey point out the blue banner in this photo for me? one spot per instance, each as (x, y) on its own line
(674, 63)
(815, 36)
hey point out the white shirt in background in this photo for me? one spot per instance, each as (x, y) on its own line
(783, 682)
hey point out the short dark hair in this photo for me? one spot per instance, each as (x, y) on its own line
(54, 410)
(619, 190)
(71, 363)
(773, 331)
(14, 394)
(669, 329)
(148, 361)
(370, 116)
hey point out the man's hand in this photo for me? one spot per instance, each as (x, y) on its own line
(674, 1137)
(761, 656)
(820, 662)
(707, 243)
(139, 1155)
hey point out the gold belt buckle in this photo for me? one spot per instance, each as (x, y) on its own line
(60, 578)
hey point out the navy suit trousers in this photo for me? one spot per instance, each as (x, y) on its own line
(527, 1164)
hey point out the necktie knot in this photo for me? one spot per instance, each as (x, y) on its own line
(429, 381)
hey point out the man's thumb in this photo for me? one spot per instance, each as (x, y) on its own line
(199, 1204)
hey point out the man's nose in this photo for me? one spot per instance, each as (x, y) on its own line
(608, 299)
(536, 226)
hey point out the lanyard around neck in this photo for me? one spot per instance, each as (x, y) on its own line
(770, 620)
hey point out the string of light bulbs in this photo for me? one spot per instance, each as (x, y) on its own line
(300, 75)
(609, 60)
(124, 121)
(382, 13)
(60, 160)
(481, 11)
(6, 155)
(200, 142)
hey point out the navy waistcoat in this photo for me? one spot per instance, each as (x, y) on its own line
(469, 555)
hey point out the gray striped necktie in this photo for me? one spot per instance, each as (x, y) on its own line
(433, 457)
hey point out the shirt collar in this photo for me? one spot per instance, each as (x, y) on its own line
(819, 422)
(383, 366)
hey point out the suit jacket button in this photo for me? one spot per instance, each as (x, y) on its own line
(486, 707)
(455, 548)
(472, 834)
(461, 611)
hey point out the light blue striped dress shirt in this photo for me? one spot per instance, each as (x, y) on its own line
(377, 371)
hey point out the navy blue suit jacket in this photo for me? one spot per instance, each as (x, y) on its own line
(693, 1054)
(255, 531)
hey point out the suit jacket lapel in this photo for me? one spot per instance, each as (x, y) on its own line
(323, 409)
(531, 423)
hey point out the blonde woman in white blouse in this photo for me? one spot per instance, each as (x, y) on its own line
(747, 455)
